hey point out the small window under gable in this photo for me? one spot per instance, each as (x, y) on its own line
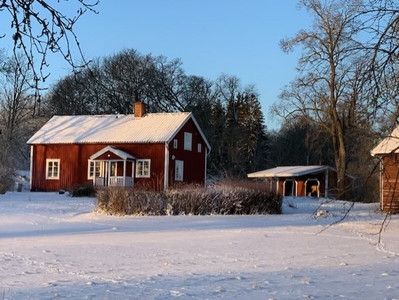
(188, 137)
(199, 148)
(175, 143)
(143, 168)
(52, 169)
(179, 166)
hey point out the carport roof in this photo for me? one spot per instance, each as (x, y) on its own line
(289, 171)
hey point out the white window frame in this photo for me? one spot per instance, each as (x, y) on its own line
(140, 171)
(188, 138)
(54, 175)
(175, 143)
(92, 170)
(179, 170)
(199, 147)
(113, 172)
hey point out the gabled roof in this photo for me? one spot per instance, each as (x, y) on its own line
(117, 152)
(151, 128)
(388, 145)
(289, 171)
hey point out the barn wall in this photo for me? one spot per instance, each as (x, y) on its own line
(390, 184)
(194, 161)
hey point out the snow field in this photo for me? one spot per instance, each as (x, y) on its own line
(54, 247)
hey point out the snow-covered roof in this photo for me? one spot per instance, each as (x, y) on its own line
(388, 145)
(288, 171)
(151, 128)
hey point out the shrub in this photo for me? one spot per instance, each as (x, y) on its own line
(217, 199)
(121, 201)
(7, 179)
(84, 190)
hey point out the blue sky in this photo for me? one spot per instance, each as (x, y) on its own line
(211, 37)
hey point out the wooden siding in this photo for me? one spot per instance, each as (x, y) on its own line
(390, 184)
(194, 161)
(74, 163)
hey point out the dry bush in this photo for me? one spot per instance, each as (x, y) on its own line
(149, 203)
(187, 200)
(7, 179)
(193, 200)
(239, 200)
(83, 190)
(121, 201)
(113, 200)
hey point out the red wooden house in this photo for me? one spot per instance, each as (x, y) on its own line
(154, 150)
(388, 153)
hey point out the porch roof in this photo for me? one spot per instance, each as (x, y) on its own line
(288, 171)
(117, 152)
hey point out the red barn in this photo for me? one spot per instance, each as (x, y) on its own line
(388, 153)
(154, 150)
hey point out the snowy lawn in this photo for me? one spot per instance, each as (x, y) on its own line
(54, 247)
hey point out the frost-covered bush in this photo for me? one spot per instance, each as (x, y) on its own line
(121, 201)
(222, 199)
(113, 200)
(84, 190)
(217, 199)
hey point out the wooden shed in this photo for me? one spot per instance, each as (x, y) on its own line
(301, 181)
(387, 151)
(155, 150)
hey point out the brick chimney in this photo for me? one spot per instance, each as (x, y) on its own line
(139, 109)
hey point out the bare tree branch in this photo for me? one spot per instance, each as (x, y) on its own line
(40, 27)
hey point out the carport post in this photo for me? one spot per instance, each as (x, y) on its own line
(326, 185)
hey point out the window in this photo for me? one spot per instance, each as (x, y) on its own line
(179, 166)
(112, 171)
(94, 169)
(52, 169)
(187, 141)
(199, 148)
(143, 168)
(175, 143)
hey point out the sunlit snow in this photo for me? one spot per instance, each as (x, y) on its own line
(54, 247)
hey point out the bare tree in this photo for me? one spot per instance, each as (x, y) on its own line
(328, 90)
(124, 76)
(17, 100)
(380, 19)
(40, 27)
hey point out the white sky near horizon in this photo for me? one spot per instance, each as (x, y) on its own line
(235, 37)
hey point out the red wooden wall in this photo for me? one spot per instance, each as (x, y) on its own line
(389, 183)
(194, 161)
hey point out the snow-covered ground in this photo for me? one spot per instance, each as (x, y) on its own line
(54, 247)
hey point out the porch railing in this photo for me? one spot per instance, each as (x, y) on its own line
(113, 181)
